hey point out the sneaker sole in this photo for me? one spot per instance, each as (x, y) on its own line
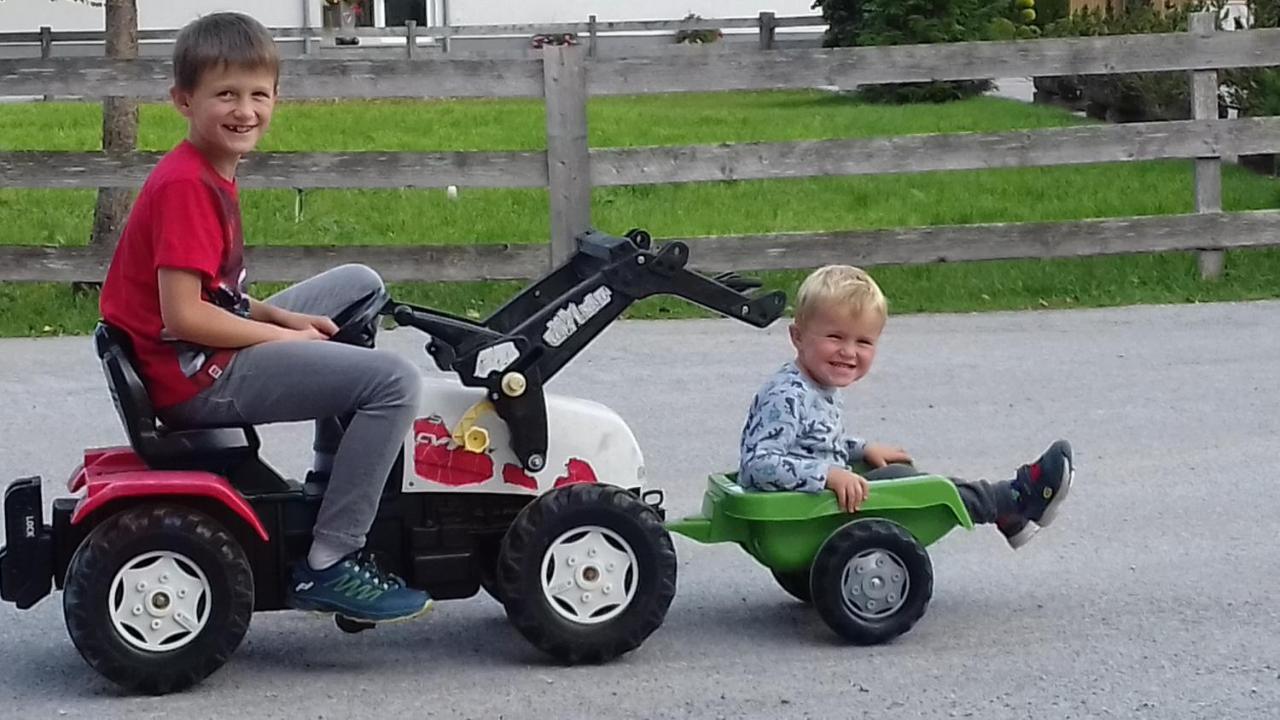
(326, 612)
(431, 605)
(1023, 536)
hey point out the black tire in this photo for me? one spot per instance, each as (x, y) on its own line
(486, 559)
(557, 516)
(795, 582)
(883, 545)
(129, 537)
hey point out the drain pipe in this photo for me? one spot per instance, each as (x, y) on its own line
(444, 20)
(306, 27)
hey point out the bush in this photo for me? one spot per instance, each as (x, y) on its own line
(1125, 97)
(700, 36)
(553, 39)
(1256, 91)
(1050, 11)
(906, 22)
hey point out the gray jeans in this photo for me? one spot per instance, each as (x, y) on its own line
(985, 501)
(363, 402)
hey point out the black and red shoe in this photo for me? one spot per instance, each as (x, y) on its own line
(1038, 490)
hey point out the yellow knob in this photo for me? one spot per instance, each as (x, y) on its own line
(514, 384)
(476, 440)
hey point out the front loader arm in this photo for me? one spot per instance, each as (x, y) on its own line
(522, 345)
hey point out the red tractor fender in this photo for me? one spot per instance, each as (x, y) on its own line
(119, 479)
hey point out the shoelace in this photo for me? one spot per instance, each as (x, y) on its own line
(365, 565)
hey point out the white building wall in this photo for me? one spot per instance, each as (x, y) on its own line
(29, 15)
(485, 12)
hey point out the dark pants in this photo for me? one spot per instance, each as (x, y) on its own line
(985, 501)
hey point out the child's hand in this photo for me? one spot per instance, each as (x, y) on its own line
(301, 334)
(304, 322)
(851, 489)
(877, 455)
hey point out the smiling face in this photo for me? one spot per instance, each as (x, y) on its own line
(227, 112)
(835, 345)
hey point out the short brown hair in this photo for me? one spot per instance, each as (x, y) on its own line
(222, 39)
(845, 286)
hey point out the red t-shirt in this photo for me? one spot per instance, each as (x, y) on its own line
(186, 217)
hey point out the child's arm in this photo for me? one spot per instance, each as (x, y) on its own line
(856, 447)
(878, 455)
(188, 317)
(851, 489)
(265, 312)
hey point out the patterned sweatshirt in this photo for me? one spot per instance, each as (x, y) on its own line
(793, 434)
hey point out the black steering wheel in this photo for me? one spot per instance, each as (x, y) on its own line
(357, 323)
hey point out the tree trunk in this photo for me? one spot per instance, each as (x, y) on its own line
(119, 124)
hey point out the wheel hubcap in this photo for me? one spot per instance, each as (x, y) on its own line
(875, 584)
(589, 575)
(159, 601)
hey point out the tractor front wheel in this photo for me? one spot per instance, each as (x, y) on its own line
(587, 572)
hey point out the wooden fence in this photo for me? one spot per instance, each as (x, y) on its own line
(565, 78)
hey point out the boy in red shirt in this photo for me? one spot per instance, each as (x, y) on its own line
(211, 355)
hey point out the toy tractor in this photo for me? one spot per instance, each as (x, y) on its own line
(165, 548)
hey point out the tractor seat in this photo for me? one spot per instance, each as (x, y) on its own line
(215, 449)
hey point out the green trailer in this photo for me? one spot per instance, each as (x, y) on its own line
(867, 573)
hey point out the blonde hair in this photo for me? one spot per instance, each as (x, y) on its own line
(844, 286)
(222, 39)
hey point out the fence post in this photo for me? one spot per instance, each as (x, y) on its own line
(46, 48)
(568, 159)
(119, 124)
(411, 37)
(1204, 106)
(591, 33)
(768, 22)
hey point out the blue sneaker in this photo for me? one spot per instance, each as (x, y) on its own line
(355, 588)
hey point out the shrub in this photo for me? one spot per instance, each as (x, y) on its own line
(553, 39)
(905, 22)
(1050, 11)
(699, 36)
(1126, 97)
(1256, 91)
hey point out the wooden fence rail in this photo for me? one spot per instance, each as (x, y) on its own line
(1184, 139)
(954, 243)
(565, 77)
(708, 71)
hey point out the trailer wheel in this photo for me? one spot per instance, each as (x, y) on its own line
(871, 581)
(157, 597)
(795, 582)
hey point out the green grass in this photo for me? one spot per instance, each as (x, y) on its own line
(519, 124)
(488, 216)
